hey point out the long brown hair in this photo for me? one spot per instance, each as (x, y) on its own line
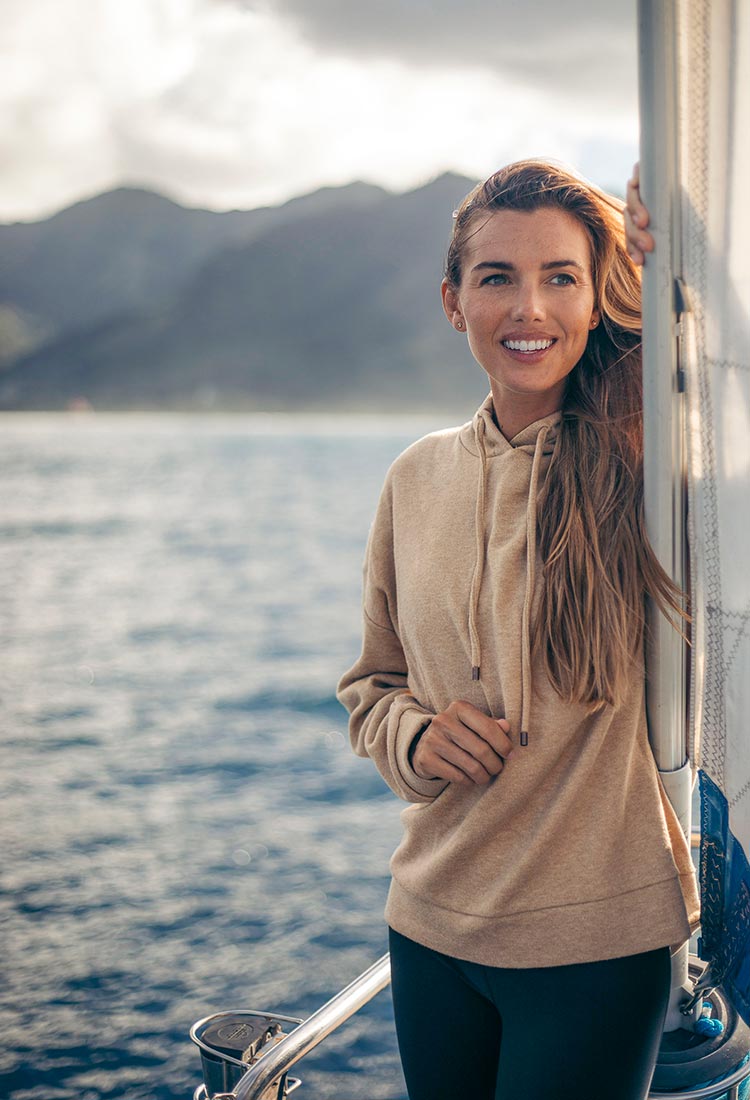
(597, 560)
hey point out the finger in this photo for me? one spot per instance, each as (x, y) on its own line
(449, 739)
(638, 241)
(439, 757)
(438, 768)
(633, 251)
(492, 730)
(496, 738)
(467, 738)
(470, 768)
(470, 745)
(455, 775)
(635, 209)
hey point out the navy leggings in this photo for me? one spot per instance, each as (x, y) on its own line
(589, 1031)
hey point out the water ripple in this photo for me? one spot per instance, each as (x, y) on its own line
(184, 827)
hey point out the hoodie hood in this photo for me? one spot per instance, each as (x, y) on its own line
(495, 443)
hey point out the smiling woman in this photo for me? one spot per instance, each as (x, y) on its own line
(500, 687)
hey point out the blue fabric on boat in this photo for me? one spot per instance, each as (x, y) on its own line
(725, 899)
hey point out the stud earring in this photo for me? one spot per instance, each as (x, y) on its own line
(459, 324)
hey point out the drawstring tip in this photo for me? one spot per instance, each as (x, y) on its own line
(524, 739)
(475, 672)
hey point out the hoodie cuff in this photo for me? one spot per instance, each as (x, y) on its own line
(413, 720)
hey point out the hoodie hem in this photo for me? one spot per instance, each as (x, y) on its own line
(626, 924)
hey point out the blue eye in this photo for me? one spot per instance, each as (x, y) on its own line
(498, 279)
(567, 280)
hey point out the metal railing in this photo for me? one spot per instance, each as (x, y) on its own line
(313, 1030)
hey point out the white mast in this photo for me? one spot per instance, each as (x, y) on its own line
(664, 436)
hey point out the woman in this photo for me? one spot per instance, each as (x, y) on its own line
(500, 690)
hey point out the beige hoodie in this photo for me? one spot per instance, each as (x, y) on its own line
(573, 853)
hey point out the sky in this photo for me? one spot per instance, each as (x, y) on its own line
(233, 104)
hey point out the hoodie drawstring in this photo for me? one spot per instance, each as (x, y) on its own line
(476, 583)
(529, 596)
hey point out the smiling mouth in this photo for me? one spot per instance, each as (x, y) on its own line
(527, 345)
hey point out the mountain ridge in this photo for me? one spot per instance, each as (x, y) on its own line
(330, 300)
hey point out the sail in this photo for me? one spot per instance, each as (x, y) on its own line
(713, 52)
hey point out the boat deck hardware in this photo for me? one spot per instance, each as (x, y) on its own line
(231, 1042)
(285, 1088)
(265, 1078)
(692, 1066)
(729, 1087)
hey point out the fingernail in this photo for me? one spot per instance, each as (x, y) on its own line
(509, 754)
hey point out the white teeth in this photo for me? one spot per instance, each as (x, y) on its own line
(527, 345)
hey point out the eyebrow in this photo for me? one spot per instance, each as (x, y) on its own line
(501, 265)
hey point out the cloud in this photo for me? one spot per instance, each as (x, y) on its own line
(222, 103)
(580, 47)
(73, 73)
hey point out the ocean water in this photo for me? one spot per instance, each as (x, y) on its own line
(184, 827)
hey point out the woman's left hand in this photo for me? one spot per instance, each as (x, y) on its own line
(638, 239)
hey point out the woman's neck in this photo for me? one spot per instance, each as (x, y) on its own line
(515, 412)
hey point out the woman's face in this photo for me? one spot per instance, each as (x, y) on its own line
(527, 304)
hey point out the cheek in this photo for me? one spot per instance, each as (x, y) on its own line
(582, 323)
(480, 318)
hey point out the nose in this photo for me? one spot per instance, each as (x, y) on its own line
(528, 303)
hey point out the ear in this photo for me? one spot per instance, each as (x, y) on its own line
(451, 306)
(595, 318)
